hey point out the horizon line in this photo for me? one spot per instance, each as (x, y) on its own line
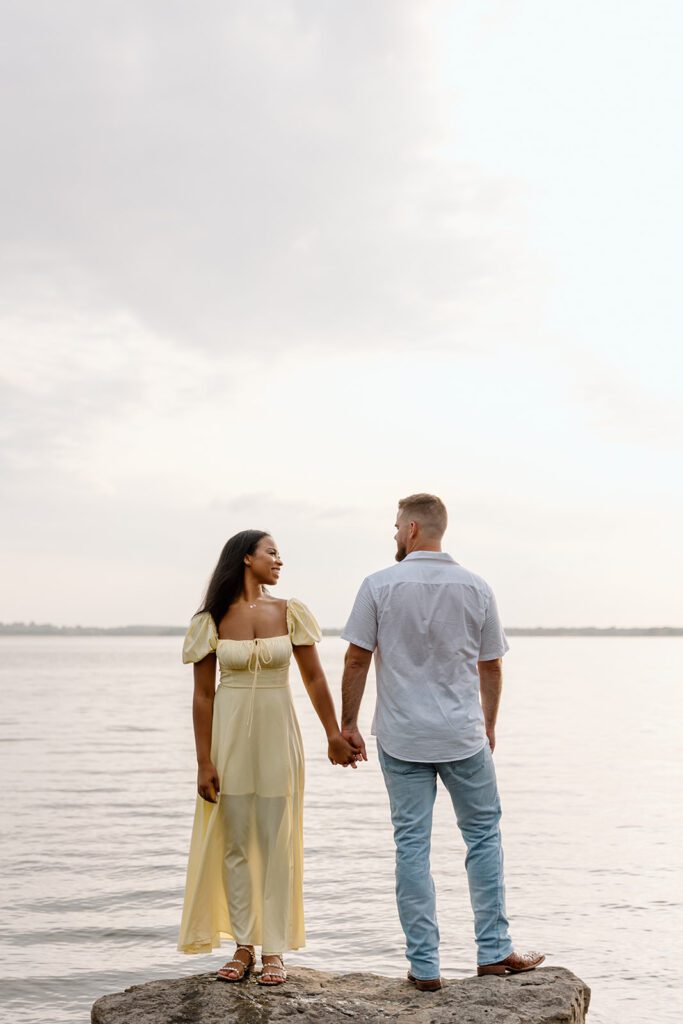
(48, 629)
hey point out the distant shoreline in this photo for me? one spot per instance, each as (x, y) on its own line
(46, 629)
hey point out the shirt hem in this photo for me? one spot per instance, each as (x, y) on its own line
(432, 759)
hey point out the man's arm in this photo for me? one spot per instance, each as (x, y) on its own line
(356, 665)
(490, 688)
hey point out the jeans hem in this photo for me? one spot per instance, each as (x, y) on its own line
(428, 977)
(494, 958)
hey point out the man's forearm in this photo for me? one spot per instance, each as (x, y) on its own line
(353, 687)
(490, 687)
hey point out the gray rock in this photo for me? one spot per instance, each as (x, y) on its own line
(550, 995)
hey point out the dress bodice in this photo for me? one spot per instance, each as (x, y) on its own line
(202, 639)
(258, 663)
(271, 654)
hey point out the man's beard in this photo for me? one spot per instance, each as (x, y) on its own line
(400, 553)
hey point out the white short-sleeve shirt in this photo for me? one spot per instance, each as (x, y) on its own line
(429, 621)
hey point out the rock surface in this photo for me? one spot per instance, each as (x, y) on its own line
(550, 995)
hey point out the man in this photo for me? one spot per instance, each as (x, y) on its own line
(438, 644)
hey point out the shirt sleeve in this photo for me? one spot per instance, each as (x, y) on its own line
(361, 629)
(493, 643)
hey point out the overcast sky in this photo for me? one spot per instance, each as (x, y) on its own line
(277, 264)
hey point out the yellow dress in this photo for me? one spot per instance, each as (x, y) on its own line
(245, 871)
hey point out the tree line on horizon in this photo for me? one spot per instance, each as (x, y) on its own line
(48, 629)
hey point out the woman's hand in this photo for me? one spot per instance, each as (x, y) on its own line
(208, 784)
(341, 752)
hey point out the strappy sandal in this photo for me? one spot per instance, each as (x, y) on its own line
(246, 966)
(273, 970)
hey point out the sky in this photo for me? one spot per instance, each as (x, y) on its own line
(275, 265)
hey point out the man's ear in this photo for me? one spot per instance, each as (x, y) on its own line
(413, 529)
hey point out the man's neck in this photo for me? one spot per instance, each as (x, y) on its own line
(425, 547)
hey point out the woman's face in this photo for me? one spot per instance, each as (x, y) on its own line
(265, 563)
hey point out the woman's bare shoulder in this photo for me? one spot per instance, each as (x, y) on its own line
(278, 612)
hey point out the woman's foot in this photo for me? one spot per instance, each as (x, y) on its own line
(273, 970)
(238, 968)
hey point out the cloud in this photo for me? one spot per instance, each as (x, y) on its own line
(231, 232)
(95, 557)
(252, 175)
(626, 410)
(67, 375)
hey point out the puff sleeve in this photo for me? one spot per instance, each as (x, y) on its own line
(302, 626)
(201, 638)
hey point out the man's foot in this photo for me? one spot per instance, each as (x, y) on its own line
(273, 970)
(516, 963)
(425, 984)
(238, 968)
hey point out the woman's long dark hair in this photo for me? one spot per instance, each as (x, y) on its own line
(227, 582)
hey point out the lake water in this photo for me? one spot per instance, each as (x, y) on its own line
(97, 798)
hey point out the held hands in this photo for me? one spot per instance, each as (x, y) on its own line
(354, 738)
(208, 785)
(340, 751)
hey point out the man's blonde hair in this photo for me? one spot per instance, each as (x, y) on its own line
(427, 510)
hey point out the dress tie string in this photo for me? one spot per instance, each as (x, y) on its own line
(258, 658)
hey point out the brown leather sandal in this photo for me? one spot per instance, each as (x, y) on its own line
(273, 970)
(245, 965)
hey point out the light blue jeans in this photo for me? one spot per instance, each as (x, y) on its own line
(472, 786)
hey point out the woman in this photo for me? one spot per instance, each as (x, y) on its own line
(245, 872)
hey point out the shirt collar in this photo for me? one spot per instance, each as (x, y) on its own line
(442, 556)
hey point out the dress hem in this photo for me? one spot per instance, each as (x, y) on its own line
(208, 945)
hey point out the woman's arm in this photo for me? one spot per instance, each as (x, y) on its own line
(208, 783)
(338, 750)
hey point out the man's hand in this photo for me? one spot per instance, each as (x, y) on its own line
(353, 737)
(491, 735)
